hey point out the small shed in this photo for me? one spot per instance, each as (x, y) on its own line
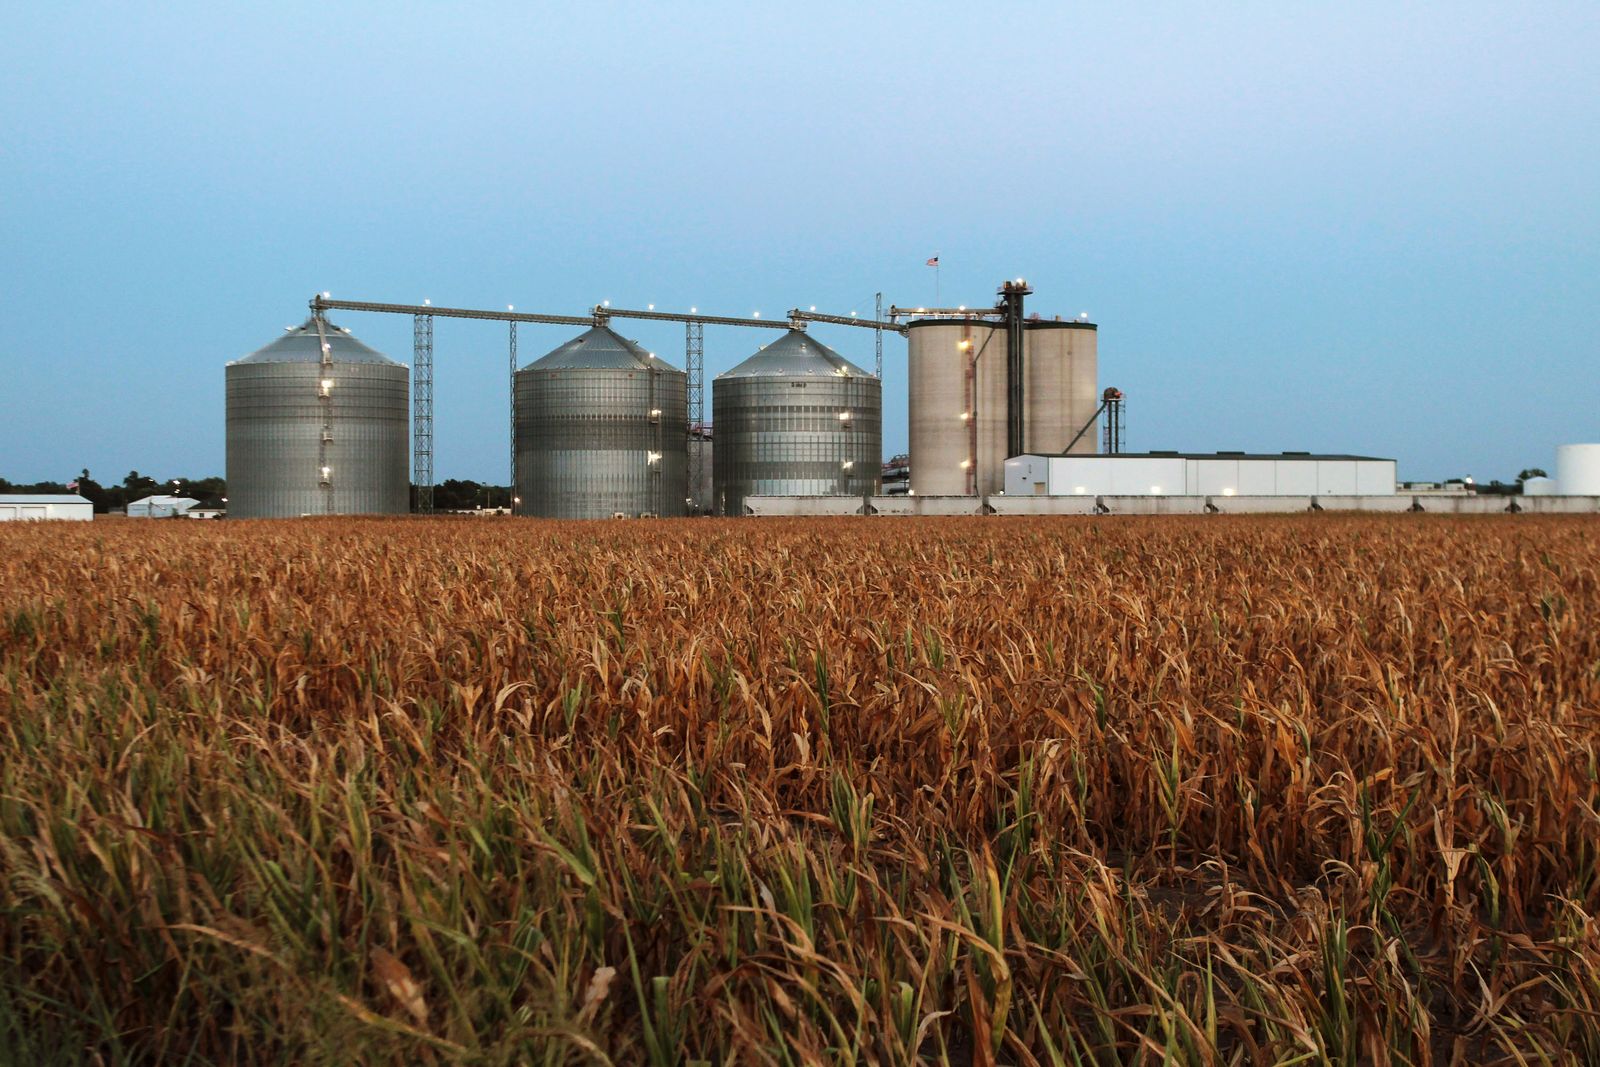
(1539, 487)
(16, 507)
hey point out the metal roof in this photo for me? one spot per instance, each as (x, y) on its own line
(42, 498)
(1209, 455)
(600, 348)
(796, 355)
(164, 500)
(300, 345)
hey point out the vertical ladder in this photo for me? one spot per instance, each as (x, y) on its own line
(653, 466)
(422, 410)
(325, 403)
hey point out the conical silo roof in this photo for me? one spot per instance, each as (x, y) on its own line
(600, 348)
(795, 355)
(301, 345)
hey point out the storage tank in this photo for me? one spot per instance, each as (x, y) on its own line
(957, 372)
(1578, 470)
(1062, 375)
(602, 430)
(314, 436)
(796, 419)
(957, 369)
(1539, 487)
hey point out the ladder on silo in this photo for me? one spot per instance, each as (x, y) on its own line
(325, 400)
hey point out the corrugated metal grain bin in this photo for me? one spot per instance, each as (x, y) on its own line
(314, 436)
(602, 430)
(796, 419)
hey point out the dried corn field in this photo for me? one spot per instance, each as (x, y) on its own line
(1054, 791)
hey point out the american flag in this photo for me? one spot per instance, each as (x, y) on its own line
(73, 485)
(934, 262)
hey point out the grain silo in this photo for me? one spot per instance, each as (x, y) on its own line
(796, 419)
(959, 407)
(317, 424)
(602, 430)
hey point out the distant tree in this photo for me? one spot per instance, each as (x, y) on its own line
(208, 490)
(457, 494)
(33, 487)
(1531, 472)
(93, 492)
(139, 483)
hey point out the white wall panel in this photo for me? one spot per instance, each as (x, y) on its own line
(1375, 477)
(1336, 477)
(1217, 477)
(1295, 477)
(1258, 478)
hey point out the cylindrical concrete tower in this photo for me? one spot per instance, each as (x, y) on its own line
(1062, 379)
(957, 371)
(959, 399)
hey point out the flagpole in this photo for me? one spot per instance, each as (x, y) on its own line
(936, 297)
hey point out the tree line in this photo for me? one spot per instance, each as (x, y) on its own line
(452, 494)
(210, 491)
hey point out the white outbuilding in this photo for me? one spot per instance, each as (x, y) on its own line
(1539, 487)
(1209, 474)
(28, 506)
(161, 507)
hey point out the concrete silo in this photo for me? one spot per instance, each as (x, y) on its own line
(602, 430)
(959, 398)
(1062, 394)
(317, 424)
(957, 371)
(795, 419)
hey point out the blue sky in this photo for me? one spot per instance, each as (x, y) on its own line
(1352, 227)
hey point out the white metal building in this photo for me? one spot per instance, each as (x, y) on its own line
(1200, 474)
(14, 507)
(160, 507)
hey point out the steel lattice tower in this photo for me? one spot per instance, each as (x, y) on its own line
(511, 503)
(694, 360)
(422, 410)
